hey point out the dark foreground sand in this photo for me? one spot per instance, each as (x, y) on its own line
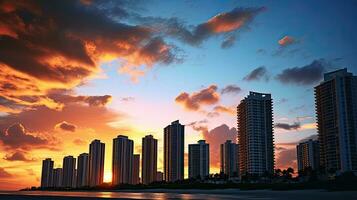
(184, 194)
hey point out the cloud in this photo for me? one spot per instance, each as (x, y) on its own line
(16, 137)
(288, 127)
(286, 158)
(231, 89)
(257, 74)
(305, 75)
(286, 41)
(79, 142)
(66, 126)
(18, 156)
(127, 99)
(214, 138)
(47, 48)
(222, 23)
(224, 109)
(4, 173)
(194, 101)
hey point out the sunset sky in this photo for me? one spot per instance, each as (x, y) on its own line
(74, 71)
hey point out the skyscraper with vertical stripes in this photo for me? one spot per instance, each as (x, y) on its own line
(47, 173)
(174, 143)
(96, 163)
(83, 170)
(256, 134)
(149, 159)
(198, 160)
(122, 168)
(69, 171)
(336, 109)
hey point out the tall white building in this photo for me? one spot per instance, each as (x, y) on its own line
(174, 141)
(122, 168)
(198, 159)
(255, 134)
(149, 159)
(47, 173)
(96, 163)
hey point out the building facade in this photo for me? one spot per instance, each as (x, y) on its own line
(198, 160)
(336, 109)
(57, 177)
(229, 159)
(174, 141)
(149, 159)
(122, 168)
(47, 173)
(96, 163)
(256, 134)
(308, 155)
(136, 169)
(69, 172)
(83, 170)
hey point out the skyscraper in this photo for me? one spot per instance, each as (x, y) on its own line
(122, 160)
(198, 159)
(336, 109)
(136, 169)
(83, 170)
(96, 163)
(47, 173)
(57, 177)
(149, 159)
(229, 158)
(255, 138)
(69, 171)
(174, 141)
(308, 154)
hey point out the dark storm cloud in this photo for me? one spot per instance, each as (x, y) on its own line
(285, 126)
(305, 75)
(257, 74)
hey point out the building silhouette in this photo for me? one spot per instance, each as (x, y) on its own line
(57, 177)
(136, 169)
(255, 138)
(83, 170)
(149, 159)
(336, 109)
(47, 173)
(174, 141)
(198, 159)
(96, 163)
(308, 155)
(122, 168)
(159, 176)
(69, 172)
(229, 158)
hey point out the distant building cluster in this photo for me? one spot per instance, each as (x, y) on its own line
(253, 154)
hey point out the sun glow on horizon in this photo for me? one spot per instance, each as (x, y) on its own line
(107, 177)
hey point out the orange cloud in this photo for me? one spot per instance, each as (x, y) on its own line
(194, 101)
(286, 41)
(224, 109)
(66, 126)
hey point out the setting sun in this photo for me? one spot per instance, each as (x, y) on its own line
(107, 177)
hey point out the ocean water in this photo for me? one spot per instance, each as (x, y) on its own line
(182, 194)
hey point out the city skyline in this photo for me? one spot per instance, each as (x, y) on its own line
(75, 71)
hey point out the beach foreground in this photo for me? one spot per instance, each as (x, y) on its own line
(183, 194)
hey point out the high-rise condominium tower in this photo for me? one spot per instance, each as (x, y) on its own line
(136, 169)
(198, 159)
(47, 173)
(174, 141)
(122, 160)
(255, 134)
(82, 170)
(149, 159)
(229, 158)
(336, 109)
(308, 155)
(96, 163)
(69, 172)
